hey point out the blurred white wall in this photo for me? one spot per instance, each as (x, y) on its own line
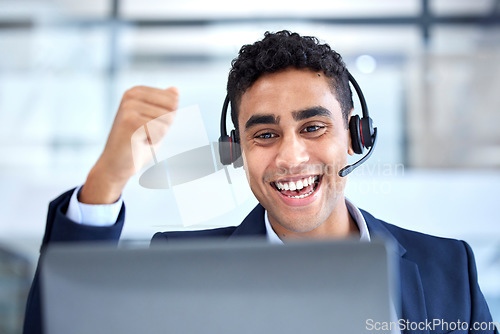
(65, 63)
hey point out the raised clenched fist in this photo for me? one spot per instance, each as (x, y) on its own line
(127, 149)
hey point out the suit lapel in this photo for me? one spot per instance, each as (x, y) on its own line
(412, 303)
(252, 225)
(413, 307)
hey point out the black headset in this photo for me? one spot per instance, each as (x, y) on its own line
(363, 135)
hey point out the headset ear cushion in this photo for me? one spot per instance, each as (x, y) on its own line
(366, 132)
(225, 150)
(236, 149)
(354, 129)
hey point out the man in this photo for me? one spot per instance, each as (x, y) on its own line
(290, 104)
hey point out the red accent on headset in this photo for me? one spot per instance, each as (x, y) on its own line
(361, 132)
(231, 148)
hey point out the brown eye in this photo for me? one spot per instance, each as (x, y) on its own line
(313, 128)
(267, 135)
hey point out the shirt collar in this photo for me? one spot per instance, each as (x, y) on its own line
(364, 234)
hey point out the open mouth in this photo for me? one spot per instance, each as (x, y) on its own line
(297, 189)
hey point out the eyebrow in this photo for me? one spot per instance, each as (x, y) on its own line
(297, 115)
(261, 119)
(311, 112)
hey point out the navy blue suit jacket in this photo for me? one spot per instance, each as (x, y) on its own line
(438, 276)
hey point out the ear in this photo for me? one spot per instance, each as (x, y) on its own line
(350, 150)
(243, 156)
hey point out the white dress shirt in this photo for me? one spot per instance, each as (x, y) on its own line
(364, 234)
(93, 214)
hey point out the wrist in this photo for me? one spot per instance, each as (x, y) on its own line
(100, 188)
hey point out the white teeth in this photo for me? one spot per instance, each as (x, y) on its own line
(300, 184)
(302, 196)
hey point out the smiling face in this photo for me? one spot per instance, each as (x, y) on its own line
(294, 142)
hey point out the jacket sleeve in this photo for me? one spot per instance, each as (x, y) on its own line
(61, 229)
(480, 313)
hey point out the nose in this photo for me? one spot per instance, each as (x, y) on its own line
(292, 152)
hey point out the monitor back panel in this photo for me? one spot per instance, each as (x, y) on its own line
(217, 287)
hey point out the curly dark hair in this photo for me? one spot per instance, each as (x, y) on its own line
(281, 50)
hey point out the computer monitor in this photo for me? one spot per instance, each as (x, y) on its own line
(243, 286)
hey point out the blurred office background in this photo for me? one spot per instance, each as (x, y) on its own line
(429, 70)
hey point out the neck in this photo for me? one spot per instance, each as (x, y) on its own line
(339, 225)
